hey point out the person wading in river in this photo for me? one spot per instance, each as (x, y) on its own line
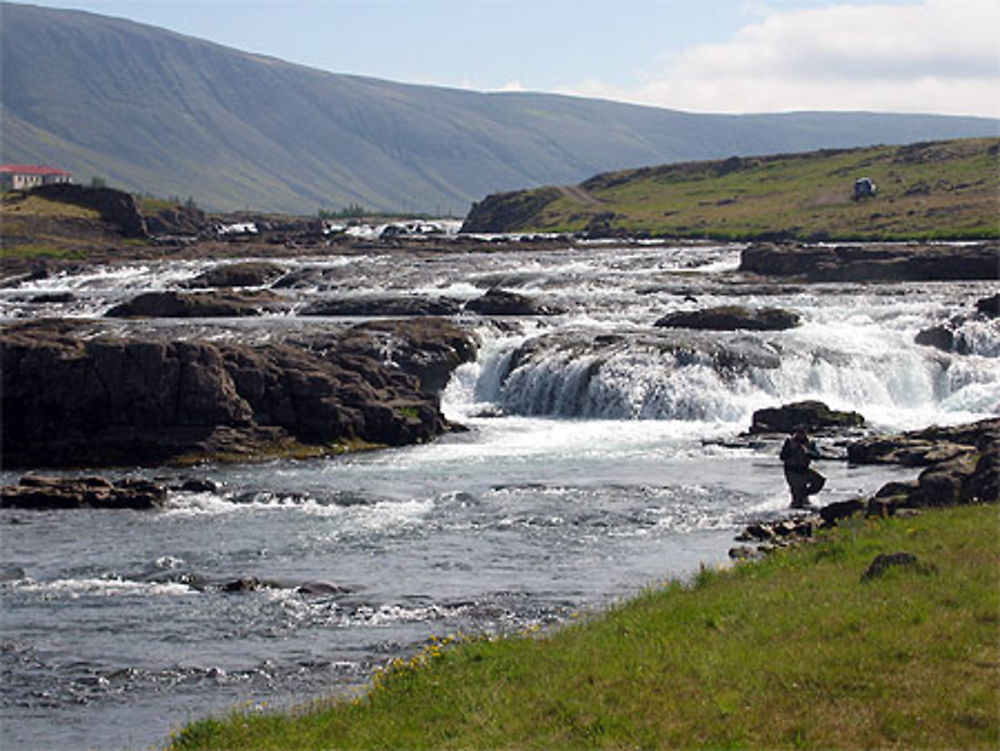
(796, 453)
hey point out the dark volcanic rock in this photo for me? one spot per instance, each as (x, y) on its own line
(886, 262)
(498, 302)
(127, 401)
(939, 337)
(731, 318)
(44, 493)
(411, 305)
(990, 306)
(197, 305)
(247, 274)
(810, 415)
(919, 448)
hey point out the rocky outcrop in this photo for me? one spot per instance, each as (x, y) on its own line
(809, 415)
(115, 206)
(410, 305)
(126, 401)
(171, 304)
(885, 262)
(508, 212)
(247, 274)
(731, 318)
(47, 493)
(499, 302)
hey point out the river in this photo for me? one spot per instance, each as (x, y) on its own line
(599, 461)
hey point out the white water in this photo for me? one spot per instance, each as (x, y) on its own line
(584, 477)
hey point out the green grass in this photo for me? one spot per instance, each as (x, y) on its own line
(792, 652)
(943, 190)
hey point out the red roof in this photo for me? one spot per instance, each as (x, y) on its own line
(31, 169)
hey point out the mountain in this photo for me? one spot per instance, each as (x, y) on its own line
(154, 111)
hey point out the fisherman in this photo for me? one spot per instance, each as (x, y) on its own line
(796, 453)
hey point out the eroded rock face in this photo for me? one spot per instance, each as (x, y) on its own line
(127, 401)
(731, 318)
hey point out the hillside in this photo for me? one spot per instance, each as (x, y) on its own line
(155, 112)
(924, 190)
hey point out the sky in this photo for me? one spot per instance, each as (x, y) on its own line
(733, 56)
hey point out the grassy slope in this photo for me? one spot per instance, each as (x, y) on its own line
(35, 227)
(793, 652)
(946, 189)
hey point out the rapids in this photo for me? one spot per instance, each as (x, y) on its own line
(598, 462)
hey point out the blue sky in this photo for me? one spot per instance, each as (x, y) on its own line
(709, 56)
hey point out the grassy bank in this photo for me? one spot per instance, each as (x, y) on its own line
(794, 652)
(943, 190)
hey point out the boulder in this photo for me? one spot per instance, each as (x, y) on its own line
(410, 305)
(939, 337)
(498, 302)
(835, 512)
(809, 415)
(172, 304)
(47, 493)
(989, 306)
(731, 318)
(246, 274)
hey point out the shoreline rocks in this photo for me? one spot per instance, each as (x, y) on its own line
(47, 493)
(112, 401)
(961, 465)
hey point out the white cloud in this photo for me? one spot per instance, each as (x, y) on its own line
(934, 56)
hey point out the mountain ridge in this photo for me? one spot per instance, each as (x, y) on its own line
(159, 112)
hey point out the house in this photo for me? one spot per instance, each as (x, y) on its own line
(27, 176)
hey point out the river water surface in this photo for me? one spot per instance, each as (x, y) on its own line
(599, 460)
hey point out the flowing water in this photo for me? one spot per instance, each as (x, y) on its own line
(599, 461)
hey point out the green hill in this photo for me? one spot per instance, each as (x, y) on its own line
(946, 189)
(156, 112)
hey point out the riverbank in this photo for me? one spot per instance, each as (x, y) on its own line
(815, 647)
